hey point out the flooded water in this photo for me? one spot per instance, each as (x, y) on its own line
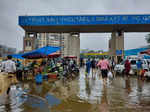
(83, 94)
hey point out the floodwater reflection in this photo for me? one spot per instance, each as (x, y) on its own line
(83, 94)
(104, 106)
(128, 85)
(90, 89)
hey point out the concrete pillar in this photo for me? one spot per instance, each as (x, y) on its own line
(78, 49)
(72, 46)
(116, 45)
(75, 44)
(60, 44)
(29, 41)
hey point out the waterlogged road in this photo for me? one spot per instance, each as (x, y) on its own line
(79, 95)
(91, 95)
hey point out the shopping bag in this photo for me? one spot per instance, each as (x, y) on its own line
(148, 74)
(131, 72)
(110, 75)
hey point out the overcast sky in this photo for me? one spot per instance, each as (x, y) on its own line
(12, 35)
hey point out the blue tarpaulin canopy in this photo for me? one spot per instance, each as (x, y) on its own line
(17, 56)
(134, 51)
(41, 52)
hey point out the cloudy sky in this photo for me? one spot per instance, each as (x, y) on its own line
(12, 35)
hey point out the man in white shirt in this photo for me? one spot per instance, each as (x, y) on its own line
(9, 66)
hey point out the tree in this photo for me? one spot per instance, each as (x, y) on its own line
(147, 37)
(100, 51)
(91, 51)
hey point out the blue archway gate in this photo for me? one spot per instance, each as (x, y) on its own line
(89, 24)
(85, 23)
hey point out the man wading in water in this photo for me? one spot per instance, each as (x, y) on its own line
(9, 69)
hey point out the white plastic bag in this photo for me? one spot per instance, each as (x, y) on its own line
(131, 72)
(147, 74)
(110, 75)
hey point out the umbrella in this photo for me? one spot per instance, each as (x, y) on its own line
(41, 52)
(146, 52)
(54, 55)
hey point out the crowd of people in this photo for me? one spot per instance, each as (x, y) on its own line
(141, 72)
(103, 65)
(63, 67)
(68, 68)
(106, 67)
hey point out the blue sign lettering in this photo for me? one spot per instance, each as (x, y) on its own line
(83, 20)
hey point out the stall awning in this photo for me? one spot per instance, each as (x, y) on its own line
(17, 56)
(41, 52)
